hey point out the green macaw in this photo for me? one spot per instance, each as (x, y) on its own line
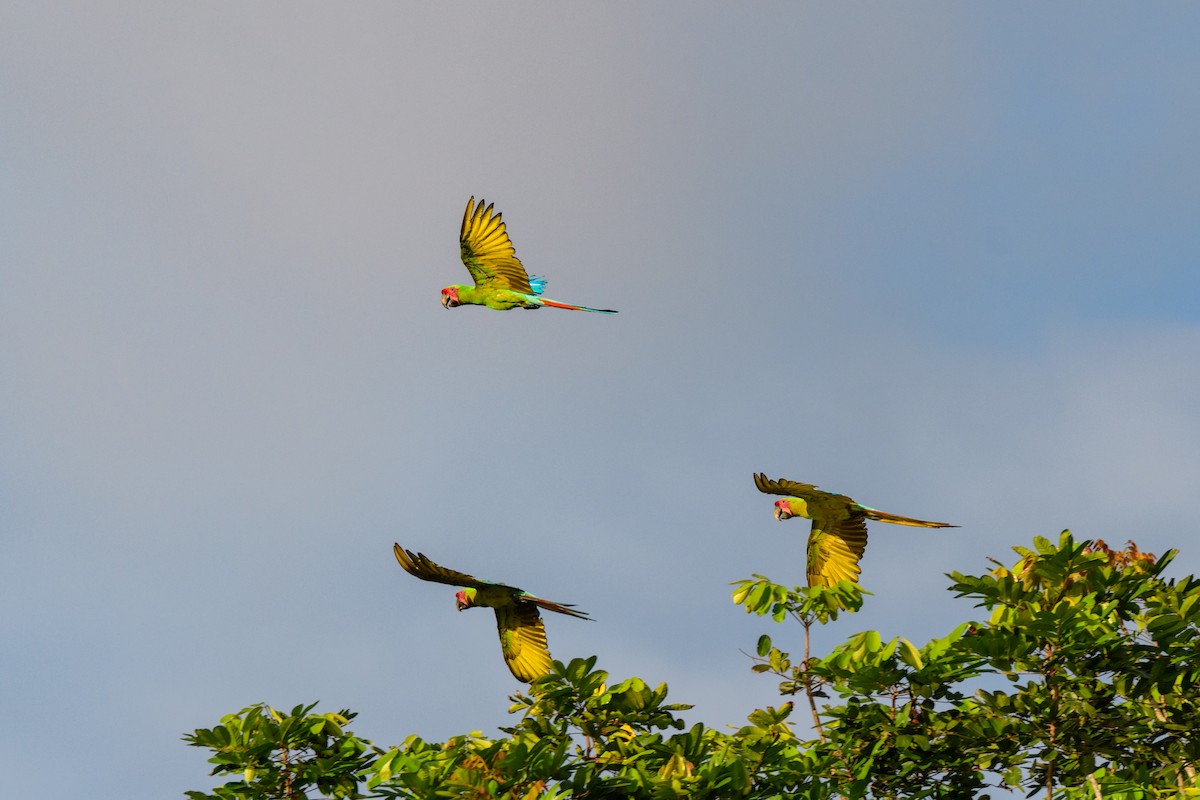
(522, 635)
(500, 280)
(839, 527)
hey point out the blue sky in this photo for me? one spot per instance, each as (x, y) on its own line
(938, 257)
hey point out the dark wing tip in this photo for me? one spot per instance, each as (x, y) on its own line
(408, 559)
(418, 564)
(765, 484)
(782, 486)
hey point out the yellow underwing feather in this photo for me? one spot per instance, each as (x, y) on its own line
(487, 251)
(523, 641)
(834, 550)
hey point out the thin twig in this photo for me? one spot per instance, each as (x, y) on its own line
(808, 684)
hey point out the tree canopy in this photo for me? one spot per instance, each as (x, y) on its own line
(1081, 682)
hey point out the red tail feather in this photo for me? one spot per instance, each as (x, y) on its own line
(556, 304)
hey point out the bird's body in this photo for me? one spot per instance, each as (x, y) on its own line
(522, 635)
(839, 527)
(501, 282)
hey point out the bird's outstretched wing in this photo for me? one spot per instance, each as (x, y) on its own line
(785, 487)
(418, 565)
(523, 640)
(835, 548)
(488, 252)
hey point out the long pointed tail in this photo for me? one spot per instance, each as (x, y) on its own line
(896, 519)
(556, 304)
(561, 608)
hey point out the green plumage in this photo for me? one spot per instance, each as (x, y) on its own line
(501, 282)
(522, 635)
(838, 537)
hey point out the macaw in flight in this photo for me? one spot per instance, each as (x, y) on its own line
(522, 635)
(500, 280)
(839, 527)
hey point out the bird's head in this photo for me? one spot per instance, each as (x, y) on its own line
(783, 509)
(464, 599)
(450, 297)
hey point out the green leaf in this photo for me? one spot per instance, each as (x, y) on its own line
(909, 654)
